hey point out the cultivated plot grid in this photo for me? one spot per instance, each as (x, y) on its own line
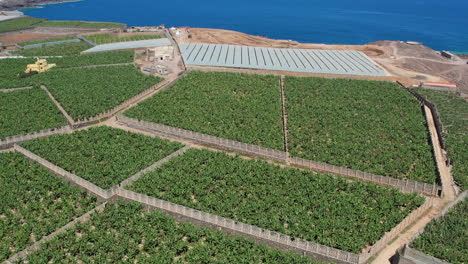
(296, 60)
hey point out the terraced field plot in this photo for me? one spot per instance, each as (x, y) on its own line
(34, 203)
(25, 111)
(64, 49)
(48, 40)
(108, 38)
(446, 238)
(321, 208)
(295, 60)
(240, 107)
(11, 67)
(371, 126)
(453, 111)
(8, 70)
(82, 24)
(126, 232)
(19, 23)
(102, 155)
(87, 92)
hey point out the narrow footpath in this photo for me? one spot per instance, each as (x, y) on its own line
(448, 194)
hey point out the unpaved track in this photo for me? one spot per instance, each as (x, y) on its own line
(448, 195)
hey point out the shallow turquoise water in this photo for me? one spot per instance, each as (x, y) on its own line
(438, 24)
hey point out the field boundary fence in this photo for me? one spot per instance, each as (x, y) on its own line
(10, 141)
(392, 234)
(285, 241)
(276, 155)
(88, 186)
(262, 235)
(58, 105)
(83, 38)
(434, 112)
(34, 247)
(461, 197)
(163, 85)
(9, 90)
(70, 177)
(120, 107)
(409, 253)
(52, 43)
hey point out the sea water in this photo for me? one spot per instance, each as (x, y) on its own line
(442, 25)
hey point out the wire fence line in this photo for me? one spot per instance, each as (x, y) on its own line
(70, 177)
(442, 213)
(120, 107)
(245, 229)
(8, 90)
(392, 234)
(29, 250)
(165, 84)
(10, 141)
(407, 186)
(58, 105)
(300, 245)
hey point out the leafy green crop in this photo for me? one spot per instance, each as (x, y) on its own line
(109, 38)
(111, 57)
(60, 23)
(102, 155)
(8, 70)
(371, 126)
(10, 67)
(34, 203)
(124, 233)
(447, 237)
(453, 111)
(25, 43)
(64, 49)
(76, 23)
(25, 111)
(240, 107)
(19, 23)
(87, 92)
(328, 210)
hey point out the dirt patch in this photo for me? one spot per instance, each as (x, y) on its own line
(222, 36)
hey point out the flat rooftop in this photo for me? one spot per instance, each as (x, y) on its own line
(295, 60)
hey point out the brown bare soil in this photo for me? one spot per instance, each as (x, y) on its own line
(222, 36)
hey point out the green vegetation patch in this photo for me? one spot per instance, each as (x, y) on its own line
(447, 237)
(64, 49)
(8, 70)
(240, 107)
(25, 111)
(87, 92)
(102, 155)
(34, 203)
(101, 58)
(124, 233)
(371, 126)
(102, 25)
(41, 41)
(453, 111)
(19, 23)
(60, 23)
(109, 38)
(329, 210)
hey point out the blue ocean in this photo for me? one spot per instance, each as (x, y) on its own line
(441, 25)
